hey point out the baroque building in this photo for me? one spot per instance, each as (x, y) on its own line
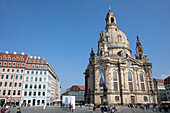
(114, 73)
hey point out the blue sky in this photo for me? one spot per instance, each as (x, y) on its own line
(63, 31)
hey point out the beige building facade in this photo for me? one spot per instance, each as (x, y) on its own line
(127, 79)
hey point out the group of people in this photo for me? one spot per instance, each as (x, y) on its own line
(164, 107)
(106, 109)
(5, 110)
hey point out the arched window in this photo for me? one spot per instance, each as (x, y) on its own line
(141, 77)
(112, 20)
(129, 76)
(114, 76)
(106, 38)
(101, 79)
(145, 98)
(116, 98)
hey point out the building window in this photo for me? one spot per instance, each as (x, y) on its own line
(14, 63)
(40, 72)
(114, 76)
(37, 66)
(119, 38)
(18, 64)
(22, 71)
(33, 66)
(115, 86)
(0, 84)
(7, 76)
(42, 61)
(19, 84)
(45, 73)
(43, 93)
(33, 61)
(141, 77)
(5, 84)
(142, 86)
(39, 86)
(32, 72)
(0, 58)
(28, 66)
(11, 77)
(15, 85)
(44, 79)
(10, 84)
(31, 79)
(34, 93)
(9, 92)
(30, 93)
(145, 98)
(0, 63)
(35, 78)
(101, 80)
(9, 64)
(35, 86)
(3, 70)
(20, 77)
(14, 92)
(4, 63)
(38, 61)
(117, 98)
(18, 92)
(129, 76)
(39, 93)
(45, 67)
(17, 70)
(16, 77)
(8, 70)
(23, 64)
(28, 72)
(4, 92)
(2, 76)
(25, 93)
(43, 86)
(26, 86)
(13, 58)
(30, 86)
(29, 61)
(41, 67)
(130, 86)
(40, 79)
(27, 78)
(37, 72)
(12, 70)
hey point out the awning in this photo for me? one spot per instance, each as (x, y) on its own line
(17, 100)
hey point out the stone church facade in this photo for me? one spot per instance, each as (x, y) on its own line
(127, 79)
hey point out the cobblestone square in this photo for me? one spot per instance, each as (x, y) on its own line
(54, 109)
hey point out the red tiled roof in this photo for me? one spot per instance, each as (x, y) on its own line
(77, 88)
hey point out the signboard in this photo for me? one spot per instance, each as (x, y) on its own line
(67, 101)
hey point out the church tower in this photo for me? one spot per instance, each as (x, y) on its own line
(113, 76)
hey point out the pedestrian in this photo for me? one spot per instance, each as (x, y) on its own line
(44, 106)
(105, 109)
(94, 108)
(3, 110)
(102, 109)
(18, 110)
(72, 108)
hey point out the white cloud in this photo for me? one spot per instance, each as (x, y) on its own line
(163, 76)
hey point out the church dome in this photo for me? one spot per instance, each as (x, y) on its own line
(115, 39)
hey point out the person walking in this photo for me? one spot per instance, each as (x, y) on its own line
(3, 110)
(18, 110)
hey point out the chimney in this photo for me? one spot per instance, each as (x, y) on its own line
(30, 56)
(39, 57)
(35, 57)
(22, 53)
(7, 52)
(15, 52)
